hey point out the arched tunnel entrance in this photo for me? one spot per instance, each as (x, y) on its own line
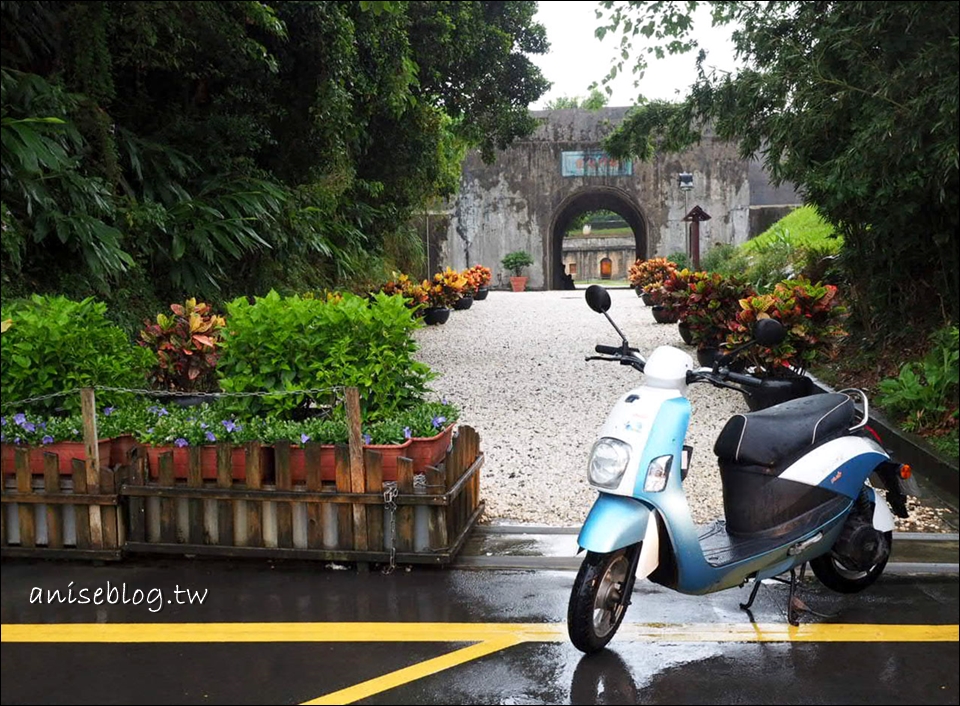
(596, 198)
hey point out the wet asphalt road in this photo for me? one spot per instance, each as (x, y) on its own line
(295, 633)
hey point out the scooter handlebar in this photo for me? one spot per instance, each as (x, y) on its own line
(747, 380)
(608, 350)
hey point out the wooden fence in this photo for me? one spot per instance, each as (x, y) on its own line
(97, 512)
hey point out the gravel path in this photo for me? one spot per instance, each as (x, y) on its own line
(514, 363)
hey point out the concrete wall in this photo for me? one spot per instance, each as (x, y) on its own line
(586, 254)
(523, 202)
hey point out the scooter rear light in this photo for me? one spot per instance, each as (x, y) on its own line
(905, 471)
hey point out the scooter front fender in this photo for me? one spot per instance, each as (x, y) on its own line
(614, 522)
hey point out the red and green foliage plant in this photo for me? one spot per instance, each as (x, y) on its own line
(812, 315)
(186, 345)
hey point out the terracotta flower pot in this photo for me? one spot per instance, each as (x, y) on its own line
(389, 453)
(208, 461)
(685, 334)
(519, 284)
(298, 463)
(429, 450)
(121, 448)
(481, 294)
(66, 451)
(463, 303)
(647, 298)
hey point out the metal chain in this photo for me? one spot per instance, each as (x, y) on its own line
(390, 492)
(176, 393)
(39, 398)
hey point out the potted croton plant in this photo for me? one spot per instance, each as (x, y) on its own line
(480, 277)
(712, 301)
(646, 276)
(442, 293)
(186, 344)
(812, 316)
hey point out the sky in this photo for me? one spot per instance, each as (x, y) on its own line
(577, 58)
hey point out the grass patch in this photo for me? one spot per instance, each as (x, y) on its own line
(801, 228)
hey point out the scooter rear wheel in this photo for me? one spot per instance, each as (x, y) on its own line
(597, 602)
(835, 576)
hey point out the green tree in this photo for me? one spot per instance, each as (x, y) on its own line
(594, 101)
(856, 103)
(222, 148)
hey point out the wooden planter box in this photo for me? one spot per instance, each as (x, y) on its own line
(356, 517)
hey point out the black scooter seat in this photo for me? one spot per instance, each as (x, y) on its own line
(767, 437)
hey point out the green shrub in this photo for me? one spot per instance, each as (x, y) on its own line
(724, 259)
(681, 260)
(516, 261)
(924, 395)
(55, 345)
(292, 343)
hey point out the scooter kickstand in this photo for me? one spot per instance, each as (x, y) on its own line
(753, 594)
(797, 606)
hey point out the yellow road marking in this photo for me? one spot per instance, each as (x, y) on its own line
(488, 638)
(412, 673)
(463, 632)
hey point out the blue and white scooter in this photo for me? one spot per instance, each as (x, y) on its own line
(795, 490)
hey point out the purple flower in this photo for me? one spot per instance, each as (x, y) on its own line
(47, 439)
(29, 427)
(204, 425)
(20, 418)
(367, 439)
(150, 430)
(107, 411)
(210, 436)
(16, 440)
(407, 433)
(304, 438)
(438, 422)
(3, 421)
(43, 425)
(181, 442)
(3, 438)
(229, 425)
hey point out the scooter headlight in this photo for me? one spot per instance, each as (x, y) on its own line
(657, 473)
(608, 461)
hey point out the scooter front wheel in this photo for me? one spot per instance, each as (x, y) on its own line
(598, 601)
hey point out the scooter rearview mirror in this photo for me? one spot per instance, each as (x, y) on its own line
(598, 298)
(768, 332)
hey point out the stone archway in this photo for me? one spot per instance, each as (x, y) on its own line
(591, 198)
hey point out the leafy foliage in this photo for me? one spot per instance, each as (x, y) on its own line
(924, 394)
(812, 316)
(856, 103)
(291, 343)
(185, 345)
(55, 345)
(516, 261)
(219, 148)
